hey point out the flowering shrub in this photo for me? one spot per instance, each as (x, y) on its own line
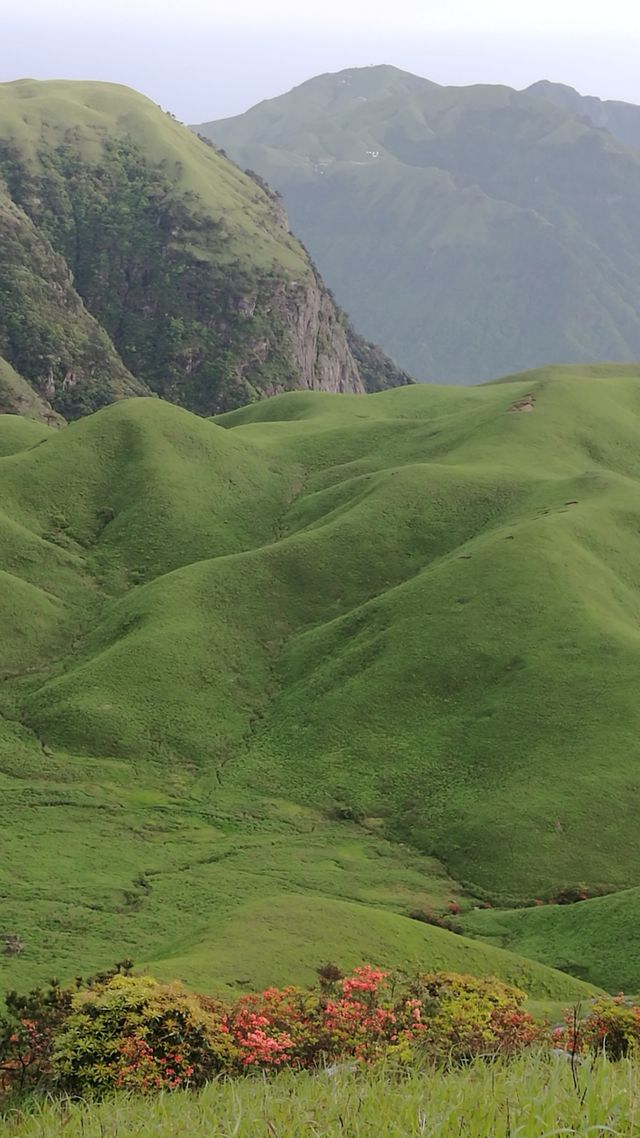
(440, 1016)
(26, 1033)
(612, 1027)
(463, 1017)
(134, 1033)
(344, 1019)
(276, 1027)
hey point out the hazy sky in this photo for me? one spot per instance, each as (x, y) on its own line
(204, 59)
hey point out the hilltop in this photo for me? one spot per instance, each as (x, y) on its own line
(134, 259)
(274, 681)
(475, 231)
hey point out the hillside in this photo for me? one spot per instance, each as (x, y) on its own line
(474, 231)
(622, 120)
(274, 681)
(134, 258)
(595, 940)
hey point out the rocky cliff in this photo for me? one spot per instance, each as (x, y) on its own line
(135, 258)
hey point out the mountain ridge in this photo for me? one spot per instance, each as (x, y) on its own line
(471, 227)
(136, 259)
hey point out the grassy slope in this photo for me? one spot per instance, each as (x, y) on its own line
(434, 212)
(273, 939)
(594, 939)
(34, 113)
(220, 641)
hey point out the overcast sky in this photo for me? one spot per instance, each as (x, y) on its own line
(204, 59)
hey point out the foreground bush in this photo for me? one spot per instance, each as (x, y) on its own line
(464, 1018)
(130, 1032)
(136, 1034)
(612, 1027)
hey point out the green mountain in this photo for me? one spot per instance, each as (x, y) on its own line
(620, 119)
(475, 231)
(134, 258)
(272, 682)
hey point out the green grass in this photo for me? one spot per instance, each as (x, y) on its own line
(273, 682)
(595, 940)
(529, 1098)
(33, 114)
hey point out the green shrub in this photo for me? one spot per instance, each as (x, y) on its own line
(465, 1018)
(612, 1026)
(26, 1035)
(132, 1032)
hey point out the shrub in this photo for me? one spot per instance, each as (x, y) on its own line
(440, 1017)
(346, 1018)
(26, 1034)
(132, 1032)
(465, 1018)
(439, 922)
(612, 1026)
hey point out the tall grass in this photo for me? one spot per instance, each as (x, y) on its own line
(534, 1097)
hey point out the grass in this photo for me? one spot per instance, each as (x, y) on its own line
(529, 1098)
(595, 939)
(34, 113)
(273, 682)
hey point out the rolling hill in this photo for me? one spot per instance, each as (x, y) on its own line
(475, 231)
(595, 939)
(134, 258)
(273, 681)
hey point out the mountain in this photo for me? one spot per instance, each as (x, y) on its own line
(622, 120)
(474, 231)
(274, 681)
(135, 259)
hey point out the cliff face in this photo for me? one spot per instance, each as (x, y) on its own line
(319, 342)
(137, 259)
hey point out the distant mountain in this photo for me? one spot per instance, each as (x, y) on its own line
(472, 231)
(135, 259)
(620, 119)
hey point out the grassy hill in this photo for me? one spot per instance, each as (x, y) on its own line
(595, 940)
(135, 258)
(272, 682)
(474, 231)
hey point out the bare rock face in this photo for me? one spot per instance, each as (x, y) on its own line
(319, 343)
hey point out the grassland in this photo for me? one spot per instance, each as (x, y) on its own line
(274, 681)
(594, 939)
(529, 1098)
